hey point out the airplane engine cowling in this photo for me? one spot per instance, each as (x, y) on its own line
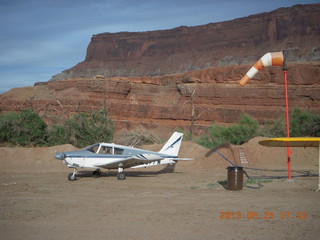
(60, 156)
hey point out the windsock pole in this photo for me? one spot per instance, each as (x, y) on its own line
(267, 60)
(285, 72)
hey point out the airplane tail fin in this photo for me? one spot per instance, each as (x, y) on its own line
(172, 146)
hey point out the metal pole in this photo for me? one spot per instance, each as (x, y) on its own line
(285, 71)
(319, 169)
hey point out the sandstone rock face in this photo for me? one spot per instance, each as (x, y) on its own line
(168, 101)
(241, 41)
(167, 78)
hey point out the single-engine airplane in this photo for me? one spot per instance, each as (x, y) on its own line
(112, 156)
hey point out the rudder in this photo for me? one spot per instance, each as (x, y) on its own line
(172, 146)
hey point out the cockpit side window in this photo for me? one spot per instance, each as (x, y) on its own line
(106, 150)
(118, 151)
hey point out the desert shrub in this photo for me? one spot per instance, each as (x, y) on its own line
(304, 123)
(138, 136)
(187, 135)
(24, 129)
(58, 135)
(238, 133)
(28, 129)
(275, 128)
(6, 126)
(84, 129)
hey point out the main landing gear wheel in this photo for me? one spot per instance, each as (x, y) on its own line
(121, 176)
(96, 173)
(72, 177)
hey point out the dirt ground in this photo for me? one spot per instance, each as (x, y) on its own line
(185, 201)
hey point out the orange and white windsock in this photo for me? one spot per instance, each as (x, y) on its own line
(269, 59)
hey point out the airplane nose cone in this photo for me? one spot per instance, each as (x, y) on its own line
(59, 156)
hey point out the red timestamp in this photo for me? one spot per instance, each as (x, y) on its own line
(263, 215)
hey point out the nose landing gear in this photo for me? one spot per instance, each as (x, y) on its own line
(73, 176)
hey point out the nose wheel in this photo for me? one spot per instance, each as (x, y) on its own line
(73, 176)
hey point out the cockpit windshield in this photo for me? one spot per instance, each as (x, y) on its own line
(94, 148)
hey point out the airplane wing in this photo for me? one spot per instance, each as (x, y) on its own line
(129, 161)
(292, 142)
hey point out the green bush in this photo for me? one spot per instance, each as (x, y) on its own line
(239, 133)
(23, 129)
(58, 135)
(85, 129)
(28, 129)
(304, 123)
(6, 128)
(275, 128)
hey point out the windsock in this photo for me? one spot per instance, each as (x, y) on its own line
(269, 59)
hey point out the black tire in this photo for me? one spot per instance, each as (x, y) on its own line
(121, 176)
(96, 174)
(72, 177)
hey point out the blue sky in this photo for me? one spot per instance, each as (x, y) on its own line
(40, 38)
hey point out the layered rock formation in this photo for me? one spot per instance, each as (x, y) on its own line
(184, 49)
(212, 94)
(169, 78)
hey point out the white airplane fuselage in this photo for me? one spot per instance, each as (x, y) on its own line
(113, 156)
(83, 159)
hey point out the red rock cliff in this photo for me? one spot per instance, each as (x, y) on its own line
(241, 41)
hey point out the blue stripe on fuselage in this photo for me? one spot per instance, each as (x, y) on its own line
(114, 156)
(172, 145)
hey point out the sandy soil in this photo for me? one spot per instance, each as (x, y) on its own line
(186, 201)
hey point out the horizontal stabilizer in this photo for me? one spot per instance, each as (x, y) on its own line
(149, 157)
(165, 161)
(182, 159)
